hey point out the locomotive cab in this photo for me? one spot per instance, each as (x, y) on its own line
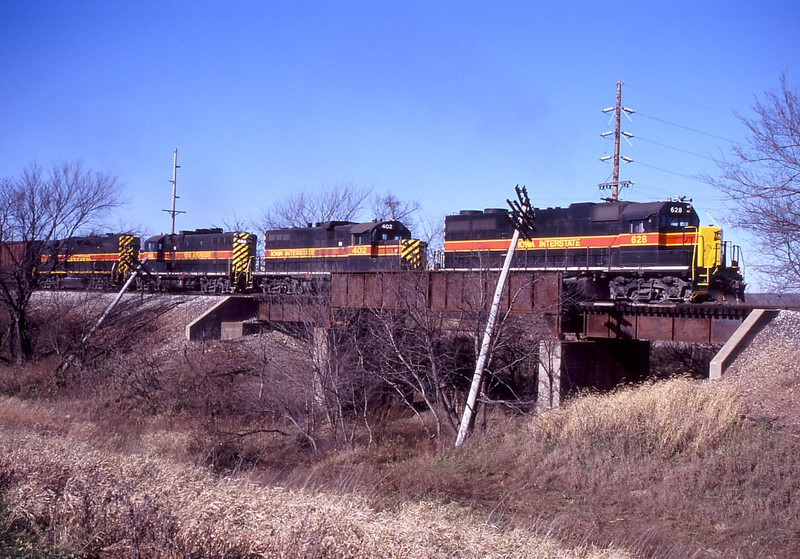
(377, 239)
(714, 276)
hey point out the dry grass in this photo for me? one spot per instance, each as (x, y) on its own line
(109, 468)
(661, 419)
(664, 470)
(99, 503)
(670, 469)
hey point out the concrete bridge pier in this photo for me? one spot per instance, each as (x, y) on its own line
(569, 366)
(320, 352)
(548, 394)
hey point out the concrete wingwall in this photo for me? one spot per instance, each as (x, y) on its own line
(229, 309)
(741, 338)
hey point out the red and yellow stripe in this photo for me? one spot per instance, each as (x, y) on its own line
(90, 257)
(189, 255)
(333, 252)
(594, 241)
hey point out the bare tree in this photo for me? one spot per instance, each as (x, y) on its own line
(389, 207)
(37, 207)
(408, 350)
(426, 356)
(342, 202)
(762, 179)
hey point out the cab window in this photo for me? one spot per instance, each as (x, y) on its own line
(637, 226)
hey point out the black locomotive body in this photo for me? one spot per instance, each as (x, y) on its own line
(205, 260)
(93, 262)
(297, 260)
(653, 251)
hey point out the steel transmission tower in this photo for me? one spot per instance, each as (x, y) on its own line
(618, 109)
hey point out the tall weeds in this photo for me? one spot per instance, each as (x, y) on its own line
(662, 419)
(669, 469)
(91, 503)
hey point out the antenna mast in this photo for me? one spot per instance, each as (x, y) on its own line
(173, 212)
(615, 183)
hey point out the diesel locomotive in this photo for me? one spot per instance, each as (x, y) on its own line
(92, 262)
(295, 260)
(655, 251)
(649, 252)
(204, 260)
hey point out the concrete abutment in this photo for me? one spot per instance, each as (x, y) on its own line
(228, 310)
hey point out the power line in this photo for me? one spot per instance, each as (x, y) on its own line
(714, 109)
(670, 172)
(649, 189)
(691, 129)
(676, 149)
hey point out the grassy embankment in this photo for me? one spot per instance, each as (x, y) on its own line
(664, 470)
(137, 452)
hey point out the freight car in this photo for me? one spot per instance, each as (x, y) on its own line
(92, 262)
(299, 259)
(655, 251)
(18, 260)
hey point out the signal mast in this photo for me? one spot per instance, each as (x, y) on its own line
(173, 212)
(615, 183)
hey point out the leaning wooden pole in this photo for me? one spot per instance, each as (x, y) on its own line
(522, 217)
(477, 377)
(67, 361)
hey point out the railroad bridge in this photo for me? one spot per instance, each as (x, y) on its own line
(580, 345)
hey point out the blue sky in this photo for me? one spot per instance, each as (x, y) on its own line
(447, 103)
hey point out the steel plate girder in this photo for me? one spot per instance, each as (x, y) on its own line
(663, 327)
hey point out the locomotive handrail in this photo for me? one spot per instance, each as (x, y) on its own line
(697, 238)
(738, 258)
(701, 278)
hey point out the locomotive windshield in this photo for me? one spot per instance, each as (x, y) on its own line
(366, 233)
(679, 216)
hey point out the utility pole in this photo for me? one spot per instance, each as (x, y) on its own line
(615, 183)
(523, 219)
(173, 212)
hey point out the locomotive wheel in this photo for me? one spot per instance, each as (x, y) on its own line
(652, 291)
(660, 291)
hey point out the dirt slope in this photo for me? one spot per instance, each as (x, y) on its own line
(768, 372)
